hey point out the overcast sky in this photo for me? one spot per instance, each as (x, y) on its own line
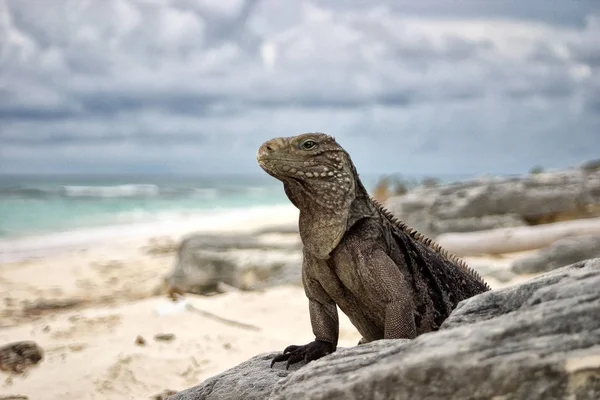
(417, 87)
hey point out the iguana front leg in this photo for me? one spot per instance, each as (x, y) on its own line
(324, 322)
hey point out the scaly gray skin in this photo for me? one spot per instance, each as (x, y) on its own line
(391, 281)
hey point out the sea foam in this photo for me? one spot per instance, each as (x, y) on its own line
(132, 190)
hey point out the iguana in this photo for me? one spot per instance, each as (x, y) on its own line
(390, 280)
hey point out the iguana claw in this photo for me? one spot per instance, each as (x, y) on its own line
(309, 352)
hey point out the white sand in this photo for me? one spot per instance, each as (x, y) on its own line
(91, 354)
(90, 350)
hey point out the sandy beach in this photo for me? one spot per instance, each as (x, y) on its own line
(96, 305)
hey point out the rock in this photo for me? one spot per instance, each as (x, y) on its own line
(562, 252)
(140, 341)
(202, 265)
(416, 210)
(250, 380)
(197, 271)
(164, 395)
(499, 273)
(508, 240)
(413, 209)
(489, 203)
(16, 357)
(537, 340)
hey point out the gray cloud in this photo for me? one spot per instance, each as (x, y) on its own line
(185, 84)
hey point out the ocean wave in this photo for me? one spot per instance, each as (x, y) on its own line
(133, 190)
(137, 190)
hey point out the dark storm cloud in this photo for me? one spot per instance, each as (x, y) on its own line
(433, 80)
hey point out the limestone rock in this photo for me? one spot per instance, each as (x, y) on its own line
(560, 253)
(508, 240)
(489, 203)
(250, 380)
(206, 264)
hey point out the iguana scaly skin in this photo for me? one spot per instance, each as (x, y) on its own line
(391, 281)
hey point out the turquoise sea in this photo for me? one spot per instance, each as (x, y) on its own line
(34, 205)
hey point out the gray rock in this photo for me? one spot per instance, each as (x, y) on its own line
(204, 263)
(422, 218)
(413, 209)
(250, 380)
(488, 203)
(201, 273)
(538, 340)
(562, 252)
(499, 273)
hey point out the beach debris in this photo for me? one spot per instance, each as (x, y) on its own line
(173, 292)
(42, 306)
(77, 347)
(140, 341)
(172, 307)
(16, 357)
(222, 320)
(181, 304)
(164, 337)
(164, 395)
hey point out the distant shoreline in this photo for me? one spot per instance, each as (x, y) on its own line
(218, 220)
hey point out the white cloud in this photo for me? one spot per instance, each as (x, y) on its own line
(438, 90)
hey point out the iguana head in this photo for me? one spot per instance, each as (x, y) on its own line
(319, 179)
(314, 162)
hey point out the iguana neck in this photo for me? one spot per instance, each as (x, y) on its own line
(325, 216)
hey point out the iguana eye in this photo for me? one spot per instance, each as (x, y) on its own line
(308, 144)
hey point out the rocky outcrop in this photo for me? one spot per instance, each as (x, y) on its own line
(488, 203)
(509, 240)
(562, 252)
(207, 264)
(538, 340)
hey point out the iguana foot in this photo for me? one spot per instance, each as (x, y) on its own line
(309, 352)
